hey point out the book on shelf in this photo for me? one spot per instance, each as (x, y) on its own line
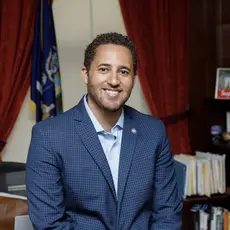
(210, 217)
(205, 173)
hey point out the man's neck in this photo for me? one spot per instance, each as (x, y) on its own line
(106, 118)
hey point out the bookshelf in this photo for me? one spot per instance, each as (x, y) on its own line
(209, 48)
(208, 200)
(215, 110)
(222, 200)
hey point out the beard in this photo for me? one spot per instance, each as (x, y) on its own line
(109, 106)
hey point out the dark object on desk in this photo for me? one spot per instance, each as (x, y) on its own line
(12, 178)
(6, 167)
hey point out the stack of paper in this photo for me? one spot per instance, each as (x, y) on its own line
(3, 194)
(205, 173)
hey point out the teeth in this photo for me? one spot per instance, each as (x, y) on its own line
(112, 93)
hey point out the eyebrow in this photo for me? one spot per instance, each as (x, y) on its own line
(120, 67)
(104, 64)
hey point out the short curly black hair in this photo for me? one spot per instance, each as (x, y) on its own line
(109, 38)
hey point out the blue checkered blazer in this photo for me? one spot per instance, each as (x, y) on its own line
(70, 186)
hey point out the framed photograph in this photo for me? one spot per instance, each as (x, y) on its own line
(222, 90)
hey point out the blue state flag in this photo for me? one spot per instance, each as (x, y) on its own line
(46, 92)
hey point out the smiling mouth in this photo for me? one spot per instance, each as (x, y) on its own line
(112, 93)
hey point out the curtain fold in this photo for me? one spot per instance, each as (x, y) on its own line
(16, 38)
(159, 29)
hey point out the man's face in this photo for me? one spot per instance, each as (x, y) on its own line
(111, 77)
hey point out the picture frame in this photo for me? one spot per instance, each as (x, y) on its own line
(222, 88)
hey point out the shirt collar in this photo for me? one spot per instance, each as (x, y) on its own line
(96, 124)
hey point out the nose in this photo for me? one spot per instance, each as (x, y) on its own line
(113, 79)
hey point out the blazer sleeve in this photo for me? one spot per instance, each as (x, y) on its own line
(167, 206)
(44, 186)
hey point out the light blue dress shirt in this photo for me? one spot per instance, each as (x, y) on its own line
(110, 141)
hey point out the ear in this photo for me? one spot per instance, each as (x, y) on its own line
(84, 74)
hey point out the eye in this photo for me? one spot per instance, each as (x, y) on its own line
(124, 72)
(103, 70)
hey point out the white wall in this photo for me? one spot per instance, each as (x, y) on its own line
(77, 23)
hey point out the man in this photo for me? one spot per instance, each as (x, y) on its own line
(103, 165)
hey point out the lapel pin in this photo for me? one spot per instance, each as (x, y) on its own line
(133, 130)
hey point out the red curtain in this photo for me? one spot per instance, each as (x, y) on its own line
(16, 37)
(159, 29)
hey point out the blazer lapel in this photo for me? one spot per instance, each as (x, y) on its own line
(90, 139)
(129, 139)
